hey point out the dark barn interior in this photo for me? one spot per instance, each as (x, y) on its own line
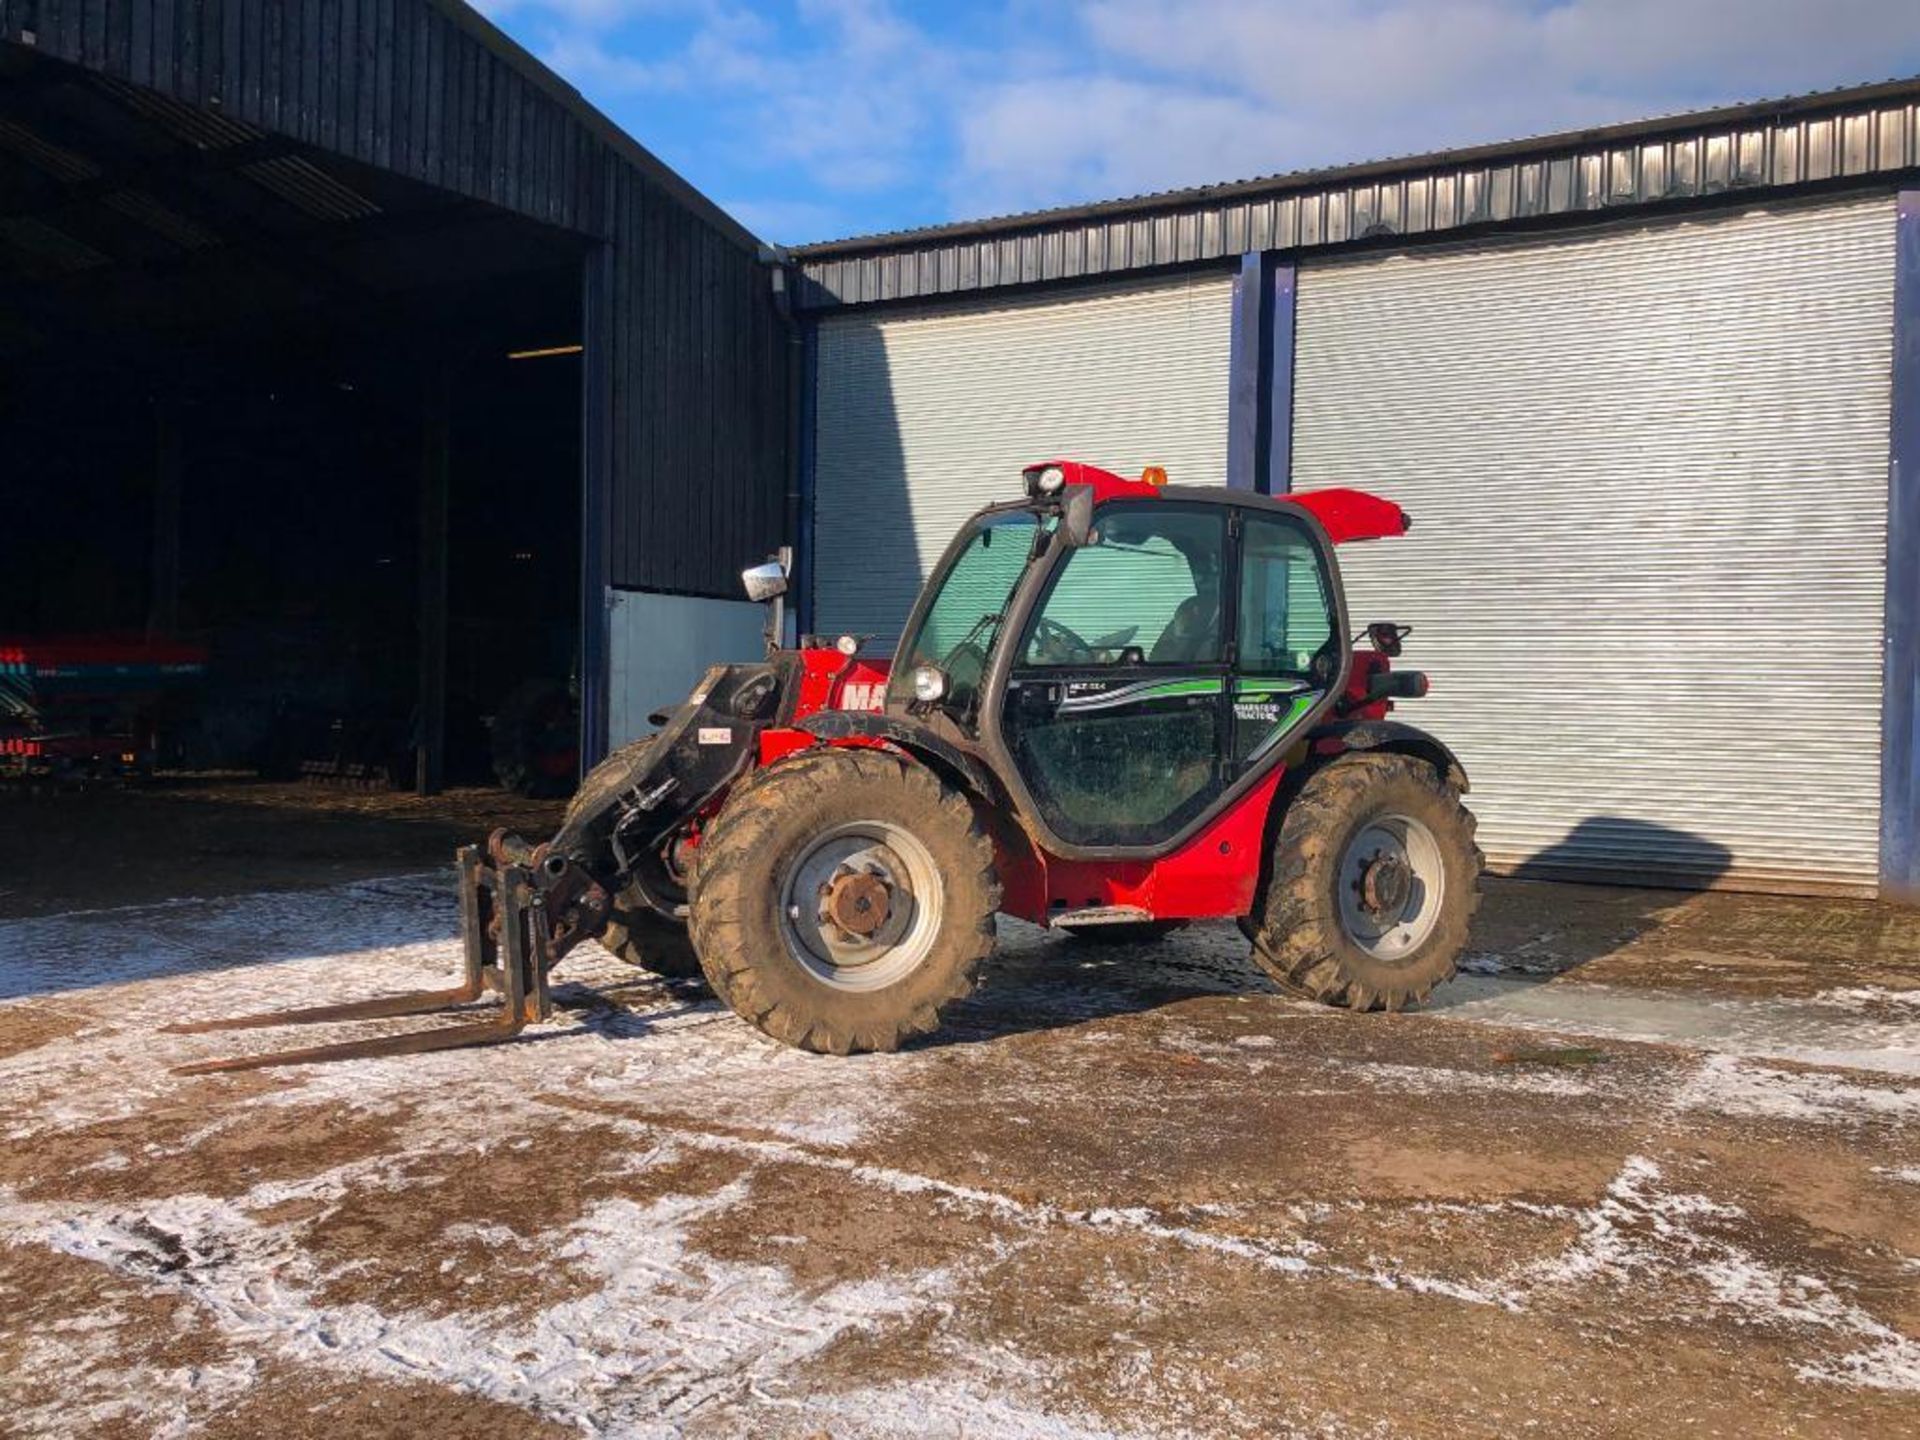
(316, 418)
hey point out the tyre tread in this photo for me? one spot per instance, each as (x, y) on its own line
(1295, 943)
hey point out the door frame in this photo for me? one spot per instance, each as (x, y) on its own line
(1034, 586)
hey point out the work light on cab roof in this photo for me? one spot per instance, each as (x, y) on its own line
(1116, 707)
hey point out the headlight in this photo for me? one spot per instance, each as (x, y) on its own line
(1044, 480)
(848, 644)
(929, 684)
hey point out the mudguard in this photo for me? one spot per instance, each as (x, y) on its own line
(942, 754)
(1341, 736)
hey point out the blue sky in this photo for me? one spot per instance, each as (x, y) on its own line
(815, 119)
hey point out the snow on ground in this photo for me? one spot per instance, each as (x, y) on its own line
(1729, 1085)
(655, 1335)
(657, 1303)
(1862, 997)
(1644, 1229)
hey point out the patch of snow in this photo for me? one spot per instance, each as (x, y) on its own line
(103, 1390)
(1863, 997)
(1140, 1220)
(211, 958)
(1909, 1174)
(1729, 1085)
(1442, 1079)
(1641, 1231)
(693, 1329)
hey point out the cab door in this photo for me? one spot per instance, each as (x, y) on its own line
(1116, 707)
(1288, 648)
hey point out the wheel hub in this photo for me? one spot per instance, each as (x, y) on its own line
(861, 904)
(1391, 886)
(1386, 883)
(858, 903)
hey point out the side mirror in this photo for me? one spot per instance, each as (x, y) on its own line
(1386, 637)
(765, 582)
(1076, 516)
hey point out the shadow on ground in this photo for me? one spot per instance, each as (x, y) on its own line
(109, 846)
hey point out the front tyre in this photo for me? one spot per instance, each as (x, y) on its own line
(1375, 879)
(844, 898)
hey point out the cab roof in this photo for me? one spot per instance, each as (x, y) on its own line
(1345, 514)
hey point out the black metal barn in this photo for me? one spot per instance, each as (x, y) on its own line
(403, 142)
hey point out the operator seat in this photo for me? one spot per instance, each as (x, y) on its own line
(1192, 635)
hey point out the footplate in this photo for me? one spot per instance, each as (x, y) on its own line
(507, 939)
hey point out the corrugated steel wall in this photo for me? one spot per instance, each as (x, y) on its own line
(702, 430)
(925, 416)
(430, 91)
(1690, 158)
(1647, 470)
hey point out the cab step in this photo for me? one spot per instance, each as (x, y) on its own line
(1100, 915)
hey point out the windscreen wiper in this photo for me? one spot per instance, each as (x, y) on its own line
(973, 634)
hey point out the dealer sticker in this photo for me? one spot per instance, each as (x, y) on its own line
(716, 734)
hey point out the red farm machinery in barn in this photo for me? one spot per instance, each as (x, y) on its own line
(88, 705)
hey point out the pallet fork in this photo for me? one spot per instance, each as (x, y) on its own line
(509, 898)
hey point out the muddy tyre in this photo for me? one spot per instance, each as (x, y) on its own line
(636, 932)
(844, 898)
(643, 937)
(1374, 882)
(607, 779)
(1131, 932)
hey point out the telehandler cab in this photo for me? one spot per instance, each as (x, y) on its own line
(1117, 706)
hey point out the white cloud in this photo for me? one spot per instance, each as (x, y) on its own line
(1167, 93)
(874, 111)
(1031, 143)
(1407, 53)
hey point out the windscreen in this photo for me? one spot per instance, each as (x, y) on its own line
(957, 631)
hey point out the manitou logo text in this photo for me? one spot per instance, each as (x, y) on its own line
(863, 696)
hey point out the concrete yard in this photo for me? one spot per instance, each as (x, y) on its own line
(1652, 1168)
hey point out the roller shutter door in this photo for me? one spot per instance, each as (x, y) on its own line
(1648, 476)
(925, 416)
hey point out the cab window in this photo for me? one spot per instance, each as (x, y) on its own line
(1286, 602)
(1289, 653)
(1113, 710)
(1146, 591)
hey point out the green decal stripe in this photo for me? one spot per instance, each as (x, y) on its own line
(1256, 690)
(1183, 687)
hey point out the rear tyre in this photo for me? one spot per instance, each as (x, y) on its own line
(843, 899)
(607, 779)
(642, 936)
(1131, 932)
(636, 932)
(1374, 882)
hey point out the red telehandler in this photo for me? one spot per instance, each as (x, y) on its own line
(1117, 706)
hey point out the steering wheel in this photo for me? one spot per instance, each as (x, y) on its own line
(1055, 644)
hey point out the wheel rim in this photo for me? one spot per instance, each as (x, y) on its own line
(1392, 885)
(860, 905)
